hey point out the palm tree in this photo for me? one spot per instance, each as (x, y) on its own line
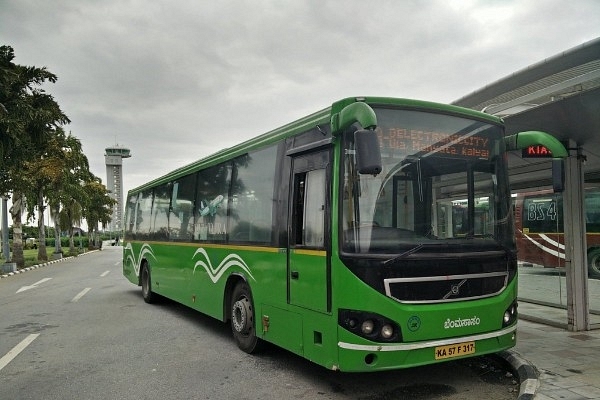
(58, 175)
(43, 173)
(54, 208)
(46, 165)
(70, 216)
(98, 208)
(29, 118)
(16, 108)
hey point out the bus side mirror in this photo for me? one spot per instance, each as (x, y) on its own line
(368, 154)
(558, 175)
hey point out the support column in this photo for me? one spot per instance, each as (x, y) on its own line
(575, 243)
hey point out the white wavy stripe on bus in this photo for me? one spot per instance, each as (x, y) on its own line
(232, 260)
(145, 249)
(552, 242)
(554, 252)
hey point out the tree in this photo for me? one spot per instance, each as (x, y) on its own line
(98, 209)
(19, 97)
(12, 89)
(29, 119)
(69, 216)
(54, 208)
(58, 176)
(43, 172)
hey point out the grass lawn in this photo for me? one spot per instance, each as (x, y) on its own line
(31, 256)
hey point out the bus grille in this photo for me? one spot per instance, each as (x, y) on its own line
(448, 288)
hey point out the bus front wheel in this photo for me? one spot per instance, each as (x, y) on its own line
(146, 281)
(594, 263)
(242, 319)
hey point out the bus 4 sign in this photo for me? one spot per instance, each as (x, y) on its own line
(536, 151)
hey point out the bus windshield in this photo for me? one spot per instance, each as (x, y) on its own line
(444, 181)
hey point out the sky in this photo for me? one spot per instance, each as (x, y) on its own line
(178, 80)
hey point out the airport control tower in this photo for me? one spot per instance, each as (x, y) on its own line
(113, 158)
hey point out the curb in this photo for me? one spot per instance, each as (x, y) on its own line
(20, 271)
(528, 376)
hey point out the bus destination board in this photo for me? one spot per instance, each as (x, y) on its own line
(442, 143)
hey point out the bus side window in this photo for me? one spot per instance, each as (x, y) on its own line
(251, 209)
(212, 202)
(130, 215)
(160, 212)
(144, 215)
(309, 208)
(181, 217)
(542, 214)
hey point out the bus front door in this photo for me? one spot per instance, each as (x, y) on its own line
(309, 277)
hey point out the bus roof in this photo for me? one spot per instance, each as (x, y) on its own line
(311, 121)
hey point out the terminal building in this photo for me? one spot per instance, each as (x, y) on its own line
(557, 229)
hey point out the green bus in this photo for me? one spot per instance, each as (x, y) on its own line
(333, 236)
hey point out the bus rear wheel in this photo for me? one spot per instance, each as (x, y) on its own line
(243, 324)
(146, 282)
(594, 263)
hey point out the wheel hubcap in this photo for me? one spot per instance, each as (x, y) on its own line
(240, 315)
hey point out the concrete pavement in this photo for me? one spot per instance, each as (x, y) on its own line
(552, 362)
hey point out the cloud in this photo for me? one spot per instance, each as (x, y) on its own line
(176, 81)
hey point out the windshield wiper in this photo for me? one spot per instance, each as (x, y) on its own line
(421, 246)
(411, 251)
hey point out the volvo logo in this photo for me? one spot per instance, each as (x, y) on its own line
(455, 289)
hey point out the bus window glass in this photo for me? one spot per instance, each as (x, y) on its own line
(542, 214)
(212, 202)
(442, 179)
(453, 214)
(314, 209)
(181, 217)
(541, 228)
(251, 208)
(160, 212)
(130, 214)
(144, 215)
(592, 210)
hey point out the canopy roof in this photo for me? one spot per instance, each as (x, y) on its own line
(559, 95)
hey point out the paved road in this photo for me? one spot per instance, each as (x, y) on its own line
(79, 330)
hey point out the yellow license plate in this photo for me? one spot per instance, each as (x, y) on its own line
(454, 350)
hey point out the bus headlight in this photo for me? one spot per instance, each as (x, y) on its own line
(370, 325)
(387, 331)
(510, 315)
(367, 327)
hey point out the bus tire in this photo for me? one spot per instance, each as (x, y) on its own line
(594, 263)
(146, 282)
(243, 324)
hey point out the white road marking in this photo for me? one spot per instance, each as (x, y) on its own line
(118, 263)
(24, 288)
(17, 349)
(80, 294)
(104, 274)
